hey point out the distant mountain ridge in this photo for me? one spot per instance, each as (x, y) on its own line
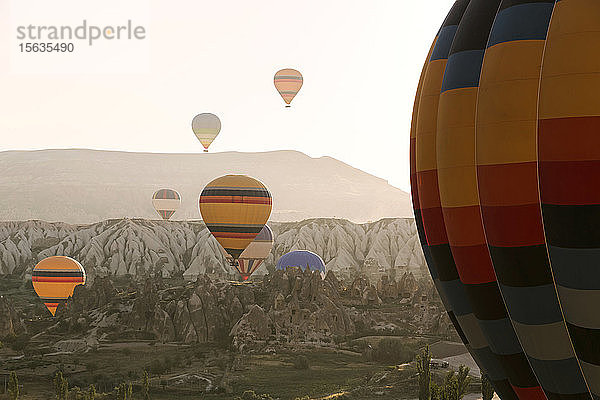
(84, 186)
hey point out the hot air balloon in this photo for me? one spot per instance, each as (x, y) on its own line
(235, 209)
(288, 83)
(54, 279)
(301, 259)
(255, 253)
(505, 159)
(166, 202)
(206, 127)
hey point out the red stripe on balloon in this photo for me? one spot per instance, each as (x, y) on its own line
(514, 226)
(464, 226)
(474, 264)
(570, 182)
(229, 235)
(235, 200)
(57, 279)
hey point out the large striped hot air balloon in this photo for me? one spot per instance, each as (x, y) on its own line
(235, 208)
(302, 259)
(288, 83)
(206, 127)
(54, 279)
(166, 202)
(505, 159)
(254, 255)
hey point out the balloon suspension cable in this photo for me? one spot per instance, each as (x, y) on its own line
(234, 263)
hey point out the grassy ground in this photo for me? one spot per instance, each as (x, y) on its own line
(275, 374)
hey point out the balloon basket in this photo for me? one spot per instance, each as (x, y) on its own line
(205, 150)
(288, 106)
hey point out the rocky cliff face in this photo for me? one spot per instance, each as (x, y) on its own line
(146, 247)
(10, 321)
(284, 310)
(290, 308)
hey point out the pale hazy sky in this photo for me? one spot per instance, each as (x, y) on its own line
(361, 61)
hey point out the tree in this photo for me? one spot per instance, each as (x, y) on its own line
(124, 391)
(251, 395)
(61, 386)
(13, 386)
(487, 390)
(455, 385)
(91, 393)
(424, 372)
(464, 380)
(146, 386)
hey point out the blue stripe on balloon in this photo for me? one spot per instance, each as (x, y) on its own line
(443, 43)
(463, 70)
(455, 293)
(490, 360)
(535, 305)
(570, 382)
(501, 336)
(575, 268)
(521, 22)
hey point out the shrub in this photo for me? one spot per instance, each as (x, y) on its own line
(251, 395)
(301, 362)
(18, 343)
(391, 351)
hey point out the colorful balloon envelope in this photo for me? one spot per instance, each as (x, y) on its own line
(206, 127)
(166, 202)
(302, 259)
(235, 208)
(54, 279)
(505, 164)
(288, 83)
(254, 255)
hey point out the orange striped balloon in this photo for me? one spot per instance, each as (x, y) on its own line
(288, 83)
(54, 279)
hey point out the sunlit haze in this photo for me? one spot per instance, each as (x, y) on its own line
(360, 60)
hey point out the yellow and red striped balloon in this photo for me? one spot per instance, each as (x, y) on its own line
(235, 208)
(54, 279)
(288, 83)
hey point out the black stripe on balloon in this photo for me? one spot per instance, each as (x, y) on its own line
(486, 300)
(57, 274)
(459, 330)
(236, 192)
(233, 229)
(573, 227)
(235, 253)
(567, 396)
(586, 342)
(518, 370)
(456, 13)
(420, 228)
(504, 390)
(444, 261)
(53, 299)
(521, 266)
(510, 3)
(475, 26)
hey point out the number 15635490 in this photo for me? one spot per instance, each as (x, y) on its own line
(46, 47)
